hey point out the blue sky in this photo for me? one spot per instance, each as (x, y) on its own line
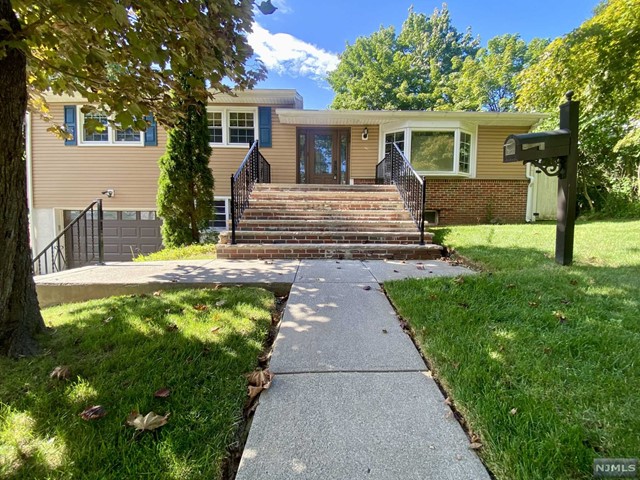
(301, 41)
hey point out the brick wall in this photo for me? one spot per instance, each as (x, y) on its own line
(471, 201)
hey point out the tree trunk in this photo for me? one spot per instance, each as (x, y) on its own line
(20, 318)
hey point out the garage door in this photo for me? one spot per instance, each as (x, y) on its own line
(127, 233)
(130, 233)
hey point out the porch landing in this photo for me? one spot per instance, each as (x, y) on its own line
(289, 221)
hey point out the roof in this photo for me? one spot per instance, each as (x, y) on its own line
(379, 117)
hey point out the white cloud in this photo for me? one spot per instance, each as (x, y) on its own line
(286, 54)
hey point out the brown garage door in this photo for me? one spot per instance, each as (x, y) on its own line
(127, 233)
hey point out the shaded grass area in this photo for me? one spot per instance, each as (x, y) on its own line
(120, 351)
(560, 345)
(205, 251)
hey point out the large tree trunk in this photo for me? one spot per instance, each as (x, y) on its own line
(20, 318)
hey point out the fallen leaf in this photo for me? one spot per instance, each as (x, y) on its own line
(215, 329)
(93, 413)
(456, 365)
(384, 331)
(459, 280)
(396, 271)
(150, 421)
(366, 287)
(62, 372)
(533, 304)
(200, 307)
(172, 327)
(448, 401)
(511, 285)
(513, 411)
(260, 378)
(162, 393)
(157, 293)
(220, 303)
(254, 391)
(420, 267)
(107, 320)
(475, 446)
(560, 316)
(268, 262)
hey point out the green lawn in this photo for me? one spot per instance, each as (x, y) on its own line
(560, 345)
(120, 351)
(205, 251)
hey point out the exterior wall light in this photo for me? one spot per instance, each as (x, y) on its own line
(365, 134)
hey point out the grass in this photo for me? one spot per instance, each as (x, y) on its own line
(560, 345)
(120, 351)
(205, 251)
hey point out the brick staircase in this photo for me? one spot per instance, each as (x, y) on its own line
(327, 221)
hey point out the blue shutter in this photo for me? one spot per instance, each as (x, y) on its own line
(150, 134)
(70, 124)
(264, 119)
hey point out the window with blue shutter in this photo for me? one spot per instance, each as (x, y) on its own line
(264, 119)
(151, 133)
(70, 124)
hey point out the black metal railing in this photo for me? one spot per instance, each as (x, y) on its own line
(395, 169)
(80, 243)
(253, 169)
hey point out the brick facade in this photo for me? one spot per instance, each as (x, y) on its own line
(473, 201)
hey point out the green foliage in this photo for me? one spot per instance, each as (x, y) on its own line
(488, 81)
(600, 62)
(120, 351)
(408, 71)
(188, 252)
(135, 53)
(560, 345)
(185, 185)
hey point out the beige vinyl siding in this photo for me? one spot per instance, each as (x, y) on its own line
(281, 156)
(73, 176)
(364, 153)
(489, 156)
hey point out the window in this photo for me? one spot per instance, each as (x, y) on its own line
(109, 215)
(432, 151)
(219, 221)
(232, 126)
(129, 215)
(241, 128)
(150, 215)
(214, 122)
(464, 157)
(108, 134)
(391, 138)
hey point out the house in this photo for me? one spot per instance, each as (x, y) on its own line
(459, 153)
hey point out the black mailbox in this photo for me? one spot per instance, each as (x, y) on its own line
(528, 147)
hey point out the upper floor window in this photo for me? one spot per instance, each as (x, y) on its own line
(232, 126)
(102, 132)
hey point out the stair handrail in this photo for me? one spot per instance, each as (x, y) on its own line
(253, 169)
(395, 169)
(54, 256)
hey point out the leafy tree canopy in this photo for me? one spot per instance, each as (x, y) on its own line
(126, 56)
(408, 71)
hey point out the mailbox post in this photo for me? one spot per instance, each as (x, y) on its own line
(556, 154)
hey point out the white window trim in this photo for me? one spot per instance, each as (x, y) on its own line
(473, 131)
(111, 130)
(225, 125)
(227, 214)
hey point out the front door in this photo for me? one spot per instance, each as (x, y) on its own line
(323, 156)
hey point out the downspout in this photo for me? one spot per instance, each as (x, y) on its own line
(27, 127)
(531, 193)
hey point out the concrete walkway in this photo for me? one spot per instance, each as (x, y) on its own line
(352, 397)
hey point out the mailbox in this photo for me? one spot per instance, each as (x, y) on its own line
(529, 147)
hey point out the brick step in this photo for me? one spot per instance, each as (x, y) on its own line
(327, 196)
(323, 205)
(326, 215)
(292, 187)
(286, 224)
(337, 251)
(307, 237)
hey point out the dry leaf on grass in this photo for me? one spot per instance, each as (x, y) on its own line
(513, 411)
(258, 381)
(162, 393)
(172, 327)
(221, 303)
(448, 401)
(150, 421)
(560, 316)
(157, 293)
(93, 413)
(62, 372)
(215, 329)
(200, 307)
(459, 280)
(475, 446)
